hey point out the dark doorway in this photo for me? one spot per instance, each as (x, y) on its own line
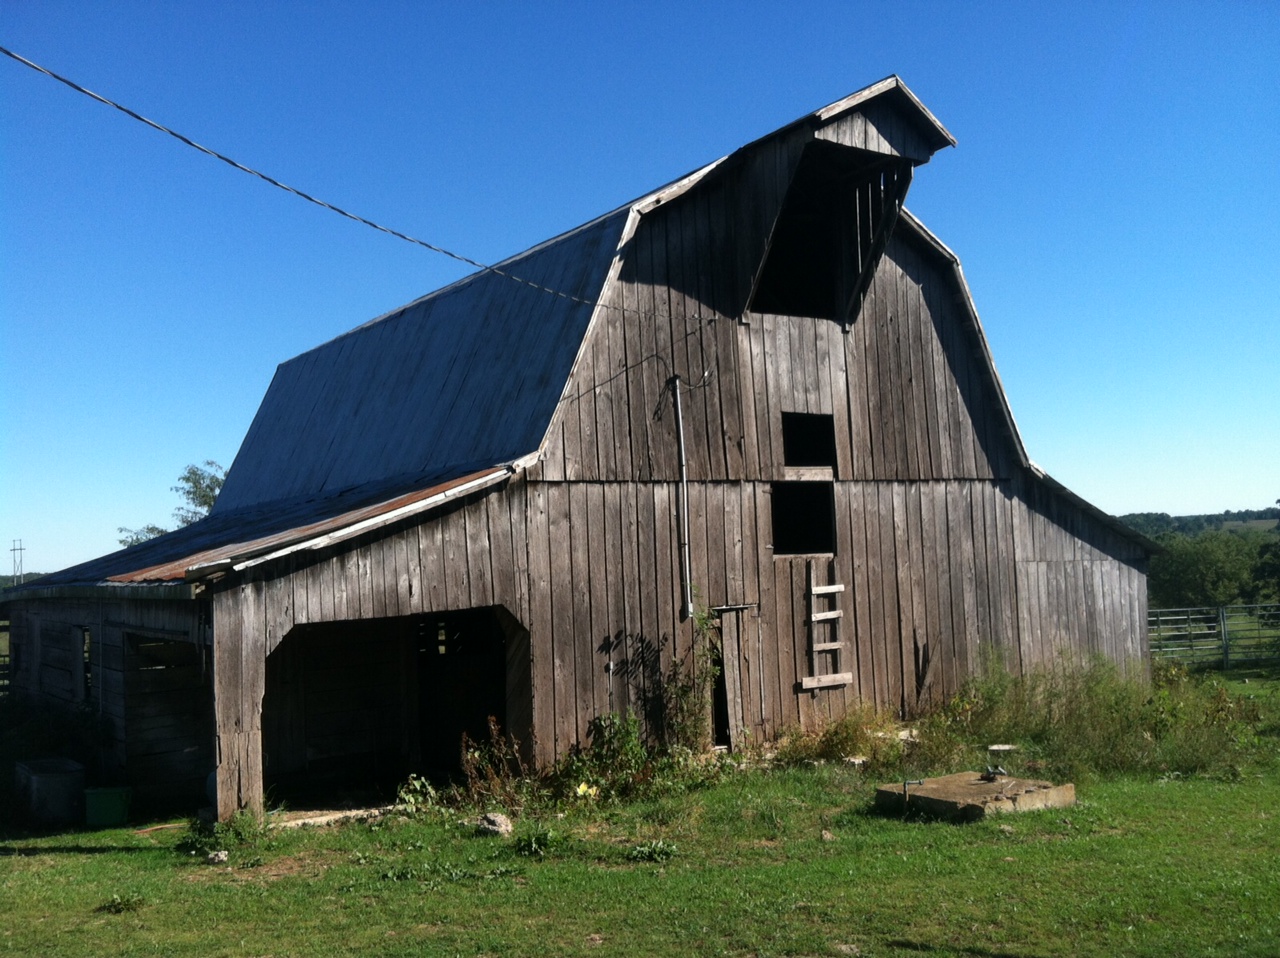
(168, 720)
(337, 716)
(351, 708)
(462, 684)
(721, 734)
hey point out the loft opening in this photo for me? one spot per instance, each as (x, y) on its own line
(835, 218)
(804, 518)
(808, 439)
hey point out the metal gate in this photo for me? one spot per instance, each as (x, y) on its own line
(1223, 637)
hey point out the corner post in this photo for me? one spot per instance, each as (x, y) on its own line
(239, 663)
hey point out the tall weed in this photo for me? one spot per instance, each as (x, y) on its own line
(1068, 724)
(1078, 722)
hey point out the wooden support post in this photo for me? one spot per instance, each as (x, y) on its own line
(1226, 640)
(239, 662)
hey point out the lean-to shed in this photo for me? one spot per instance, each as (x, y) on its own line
(762, 389)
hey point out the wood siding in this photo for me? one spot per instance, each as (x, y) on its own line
(911, 396)
(939, 574)
(157, 716)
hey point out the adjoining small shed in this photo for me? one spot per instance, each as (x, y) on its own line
(762, 388)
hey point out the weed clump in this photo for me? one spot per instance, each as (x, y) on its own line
(623, 758)
(243, 832)
(618, 764)
(1068, 724)
(536, 841)
(656, 850)
(121, 904)
(1091, 721)
(875, 742)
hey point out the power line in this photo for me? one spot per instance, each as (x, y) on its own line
(699, 320)
(289, 189)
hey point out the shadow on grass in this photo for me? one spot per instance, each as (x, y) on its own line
(976, 950)
(30, 851)
(913, 815)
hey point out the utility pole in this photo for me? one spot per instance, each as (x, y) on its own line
(17, 551)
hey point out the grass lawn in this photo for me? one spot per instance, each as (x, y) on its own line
(1181, 867)
(780, 861)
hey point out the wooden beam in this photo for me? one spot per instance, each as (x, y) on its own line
(826, 681)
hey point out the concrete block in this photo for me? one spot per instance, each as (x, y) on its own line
(967, 797)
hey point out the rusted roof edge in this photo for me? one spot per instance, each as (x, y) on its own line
(349, 525)
(157, 591)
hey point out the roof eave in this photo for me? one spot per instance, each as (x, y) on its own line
(1133, 535)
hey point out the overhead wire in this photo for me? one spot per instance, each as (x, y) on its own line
(290, 189)
(707, 375)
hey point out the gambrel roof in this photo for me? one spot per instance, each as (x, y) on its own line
(455, 391)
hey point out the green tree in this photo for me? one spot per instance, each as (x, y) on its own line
(131, 537)
(199, 487)
(1266, 574)
(1210, 569)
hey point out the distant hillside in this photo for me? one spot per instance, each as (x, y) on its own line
(8, 580)
(1156, 523)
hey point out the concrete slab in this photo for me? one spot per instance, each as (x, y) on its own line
(299, 818)
(965, 796)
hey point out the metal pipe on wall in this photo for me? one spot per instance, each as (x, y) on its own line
(682, 507)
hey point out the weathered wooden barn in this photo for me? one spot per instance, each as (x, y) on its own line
(762, 389)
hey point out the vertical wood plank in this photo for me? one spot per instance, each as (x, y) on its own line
(598, 572)
(579, 636)
(542, 624)
(563, 601)
(771, 636)
(479, 555)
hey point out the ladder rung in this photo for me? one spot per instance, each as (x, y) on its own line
(826, 681)
(826, 646)
(827, 589)
(825, 616)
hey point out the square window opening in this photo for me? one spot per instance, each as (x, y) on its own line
(808, 439)
(804, 518)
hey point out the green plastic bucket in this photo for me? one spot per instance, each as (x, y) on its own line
(106, 807)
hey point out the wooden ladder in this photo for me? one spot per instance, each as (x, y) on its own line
(824, 633)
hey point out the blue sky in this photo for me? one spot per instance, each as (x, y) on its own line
(1115, 200)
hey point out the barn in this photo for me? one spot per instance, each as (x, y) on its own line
(760, 393)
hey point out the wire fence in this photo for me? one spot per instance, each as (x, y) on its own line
(1230, 636)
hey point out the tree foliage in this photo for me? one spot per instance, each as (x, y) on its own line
(198, 486)
(1211, 569)
(131, 537)
(1267, 572)
(1155, 524)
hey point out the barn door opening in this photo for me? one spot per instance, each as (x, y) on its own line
(351, 708)
(168, 718)
(461, 664)
(337, 714)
